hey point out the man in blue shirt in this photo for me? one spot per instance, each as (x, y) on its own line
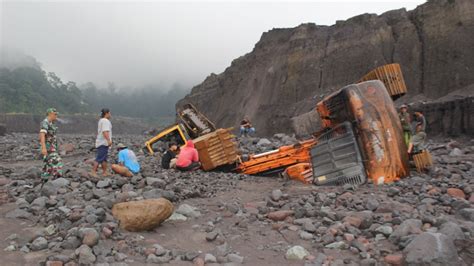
(127, 162)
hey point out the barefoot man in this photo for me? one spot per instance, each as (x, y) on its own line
(103, 142)
(52, 164)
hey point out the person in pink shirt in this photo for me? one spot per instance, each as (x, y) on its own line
(188, 159)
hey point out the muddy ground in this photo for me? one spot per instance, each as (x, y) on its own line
(233, 219)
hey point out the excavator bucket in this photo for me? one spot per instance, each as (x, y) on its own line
(195, 122)
(391, 76)
(376, 126)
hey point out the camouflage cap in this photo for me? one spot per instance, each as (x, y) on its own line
(51, 110)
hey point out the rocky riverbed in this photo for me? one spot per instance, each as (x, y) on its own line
(230, 219)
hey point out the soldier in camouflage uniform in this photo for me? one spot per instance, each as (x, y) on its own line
(52, 163)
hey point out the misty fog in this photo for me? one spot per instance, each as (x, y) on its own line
(135, 44)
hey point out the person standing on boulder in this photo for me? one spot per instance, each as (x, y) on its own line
(52, 163)
(103, 142)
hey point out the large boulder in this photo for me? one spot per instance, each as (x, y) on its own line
(431, 249)
(142, 215)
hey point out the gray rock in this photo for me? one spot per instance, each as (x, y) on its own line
(209, 258)
(305, 235)
(235, 258)
(407, 227)
(276, 195)
(152, 258)
(309, 227)
(155, 182)
(188, 211)
(467, 213)
(39, 203)
(85, 255)
(159, 193)
(49, 189)
(263, 142)
(60, 182)
(120, 256)
(19, 214)
(296, 253)
(71, 242)
(103, 183)
(372, 204)
(452, 230)
(385, 230)
(39, 243)
(90, 236)
(431, 249)
(211, 236)
(99, 193)
(159, 250)
(337, 245)
(456, 152)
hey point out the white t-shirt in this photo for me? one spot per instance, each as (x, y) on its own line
(104, 125)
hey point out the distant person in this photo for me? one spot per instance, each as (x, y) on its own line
(417, 143)
(127, 162)
(52, 163)
(406, 123)
(188, 159)
(246, 128)
(169, 157)
(420, 120)
(103, 142)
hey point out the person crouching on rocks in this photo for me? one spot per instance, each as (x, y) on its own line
(52, 163)
(246, 127)
(127, 162)
(169, 157)
(188, 159)
(417, 142)
(103, 142)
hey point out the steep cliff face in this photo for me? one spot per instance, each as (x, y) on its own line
(290, 70)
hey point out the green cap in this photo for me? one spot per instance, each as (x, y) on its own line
(51, 110)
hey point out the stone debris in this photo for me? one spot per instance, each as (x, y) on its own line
(82, 220)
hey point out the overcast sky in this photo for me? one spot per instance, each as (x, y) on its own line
(138, 43)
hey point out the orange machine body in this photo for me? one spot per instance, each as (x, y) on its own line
(301, 172)
(377, 127)
(278, 160)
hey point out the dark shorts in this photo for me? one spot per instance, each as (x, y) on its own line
(193, 166)
(102, 153)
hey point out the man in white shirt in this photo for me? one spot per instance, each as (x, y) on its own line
(103, 142)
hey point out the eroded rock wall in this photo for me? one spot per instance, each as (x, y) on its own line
(290, 70)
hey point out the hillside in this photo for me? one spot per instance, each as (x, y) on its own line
(290, 70)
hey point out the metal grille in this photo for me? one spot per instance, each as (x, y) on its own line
(336, 158)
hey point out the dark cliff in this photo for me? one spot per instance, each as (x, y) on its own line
(290, 70)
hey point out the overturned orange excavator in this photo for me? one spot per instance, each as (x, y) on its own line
(361, 137)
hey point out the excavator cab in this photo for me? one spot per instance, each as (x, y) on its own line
(174, 133)
(369, 109)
